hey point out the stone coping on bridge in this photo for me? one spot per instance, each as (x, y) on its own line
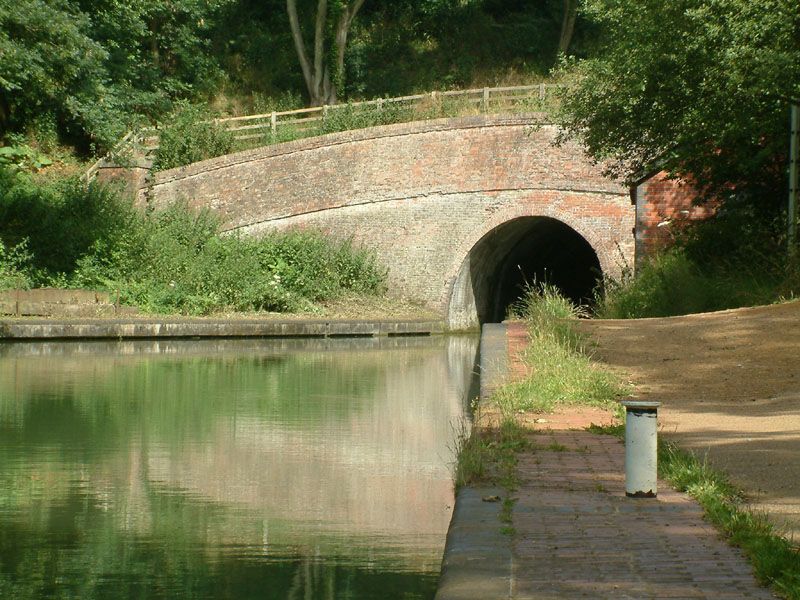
(46, 329)
(350, 136)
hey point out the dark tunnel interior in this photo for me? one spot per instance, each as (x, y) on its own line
(528, 250)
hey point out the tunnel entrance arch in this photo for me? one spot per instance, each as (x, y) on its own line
(522, 250)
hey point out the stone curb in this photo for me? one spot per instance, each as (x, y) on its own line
(24, 329)
(478, 561)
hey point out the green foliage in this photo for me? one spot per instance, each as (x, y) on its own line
(489, 456)
(735, 259)
(173, 261)
(190, 135)
(51, 66)
(402, 47)
(158, 49)
(23, 158)
(559, 368)
(775, 559)
(673, 284)
(59, 220)
(698, 87)
(359, 117)
(178, 263)
(545, 310)
(89, 69)
(82, 72)
(14, 266)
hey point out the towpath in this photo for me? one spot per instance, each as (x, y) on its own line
(576, 534)
(729, 384)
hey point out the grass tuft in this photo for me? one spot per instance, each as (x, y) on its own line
(489, 455)
(560, 371)
(776, 561)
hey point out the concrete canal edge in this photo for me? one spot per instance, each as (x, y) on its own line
(133, 328)
(477, 562)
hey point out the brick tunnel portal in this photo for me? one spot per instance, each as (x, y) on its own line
(520, 252)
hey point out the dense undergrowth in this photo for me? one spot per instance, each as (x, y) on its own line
(735, 259)
(63, 234)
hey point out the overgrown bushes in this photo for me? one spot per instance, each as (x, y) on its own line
(173, 261)
(190, 135)
(736, 259)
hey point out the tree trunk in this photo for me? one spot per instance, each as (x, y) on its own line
(340, 39)
(567, 25)
(300, 48)
(320, 68)
(320, 82)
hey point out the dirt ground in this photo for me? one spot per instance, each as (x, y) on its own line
(729, 384)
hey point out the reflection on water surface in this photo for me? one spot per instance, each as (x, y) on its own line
(228, 469)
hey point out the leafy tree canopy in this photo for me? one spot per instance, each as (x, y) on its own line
(697, 87)
(49, 66)
(83, 69)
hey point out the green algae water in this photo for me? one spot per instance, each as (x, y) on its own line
(228, 469)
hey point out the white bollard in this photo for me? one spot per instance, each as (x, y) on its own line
(641, 448)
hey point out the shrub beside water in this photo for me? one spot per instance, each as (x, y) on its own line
(14, 266)
(172, 261)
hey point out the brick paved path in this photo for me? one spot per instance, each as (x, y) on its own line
(578, 536)
(576, 533)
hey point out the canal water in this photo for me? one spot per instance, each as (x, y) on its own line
(290, 469)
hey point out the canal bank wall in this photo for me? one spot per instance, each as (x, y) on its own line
(478, 561)
(157, 328)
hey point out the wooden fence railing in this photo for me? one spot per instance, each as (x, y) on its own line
(266, 128)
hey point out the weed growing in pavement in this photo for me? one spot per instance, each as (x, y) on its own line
(489, 455)
(556, 447)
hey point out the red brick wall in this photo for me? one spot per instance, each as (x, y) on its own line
(663, 206)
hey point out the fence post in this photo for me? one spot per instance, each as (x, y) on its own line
(486, 99)
(379, 104)
(324, 113)
(542, 91)
(273, 123)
